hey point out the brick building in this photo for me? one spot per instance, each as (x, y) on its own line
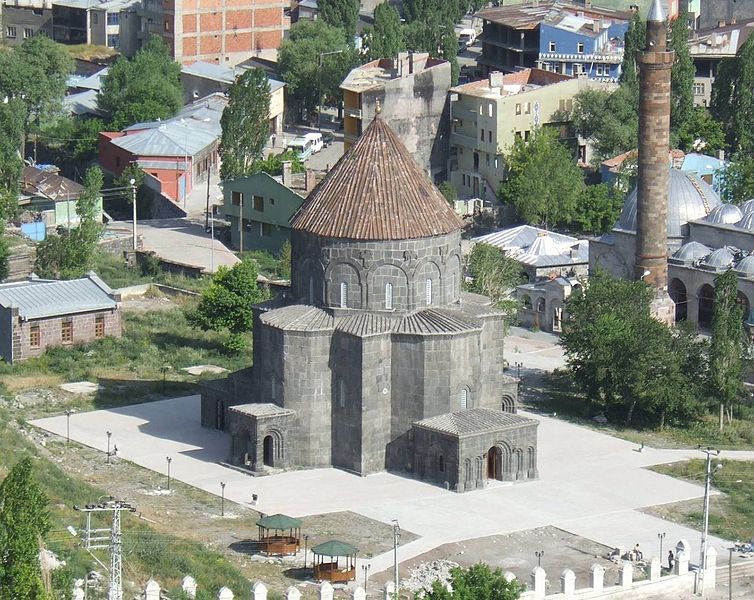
(37, 314)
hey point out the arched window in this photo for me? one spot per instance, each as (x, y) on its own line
(463, 398)
(428, 292)
(526, 301)
(311, 290)
(343, 295)
(389, 296)
(341, 392)
(540, 305)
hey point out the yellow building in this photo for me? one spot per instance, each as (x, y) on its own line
(488, 115)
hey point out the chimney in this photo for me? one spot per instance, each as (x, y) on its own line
(287, 173)
(496, 79)
(309, 180)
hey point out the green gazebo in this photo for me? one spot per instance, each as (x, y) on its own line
(327, 564)
(279, 534)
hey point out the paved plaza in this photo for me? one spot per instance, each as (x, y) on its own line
(591, 484)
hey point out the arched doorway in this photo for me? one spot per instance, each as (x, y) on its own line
(494, 463)
(706, 305)
(268, 451)
(743, 302)
(678, 295)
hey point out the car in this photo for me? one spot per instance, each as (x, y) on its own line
(301, 146)
(316, 141)
(328, 138)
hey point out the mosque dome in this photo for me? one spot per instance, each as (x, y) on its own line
(725, 213)
(719, 259)
(691, 251)
(747, 207)
(745, 266)
(689, 198)
(748, 221)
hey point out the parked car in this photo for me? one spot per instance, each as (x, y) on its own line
(301, 146)
(328, 138)
(316, 141)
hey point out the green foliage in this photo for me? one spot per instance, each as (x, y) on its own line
(449, 191)
(245, 124)
(738, 178)
(701, 133)
(308, 74)
(24, 519)
(494, 275)
(682, 74)
(343, 14)
(284, 259)
(634, 42)
(273, 164)
(71, 141)
(11, 132)
(72, 253)
(386, 39)
(478, 582)
(733, 98)
(598, 209)
(627, 363)
(727, 345)
(609, 120)
(144, 88)
(544, 182)
(226, 303)
(434, 34)
(432, 10)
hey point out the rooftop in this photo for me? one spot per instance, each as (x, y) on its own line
(39, 298)
(376, 73)
(38, 182)
(261, 410)
(528, 16)
(538, 247)
(474, 421)
(497, 85)
(720, 41)
(223, 74)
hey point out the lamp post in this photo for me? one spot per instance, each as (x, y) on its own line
(132, 182)
(319, 84)
(707, 479)
(518, 370)
(306, 549)
(169, 460)
(396, 538)
(365, 567)
(222, 499)
(661, 537)
(109, 435)
(539, 554)
(68, 413)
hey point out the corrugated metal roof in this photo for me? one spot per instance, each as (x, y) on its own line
(223, 74)
(83, 103)
(376, 191)
(529, 16)
(40, 183)
(39, 298)
(474, 421)
(171, 138)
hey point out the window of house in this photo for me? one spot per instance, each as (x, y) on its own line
(527, 135)
(518, 108)
(113, 40)
(526, 301)
(598, 69)
(266, 229)
(517, 135)
(99, 326)
(487, 159)
(580, 47)
(463, 400)
(527, 108)
(10, 31)
(66, 332)
(489, 135)
(236, 198)
(166, 25)
(95, 18)
(481, 134)
(569, 104)
(562, 104)
(259, 203)
(389, 296)
(28, 32)
(34, 337)
(552, 47)
(113, 18)
(698, 89)
(489, 109)
(343, 295)
(428, 292)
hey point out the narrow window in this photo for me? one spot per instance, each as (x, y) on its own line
(344, 295)
(463, 400)
(489, 109)
(389, 296)
(428, 292)
(518, 108)
(66, 332)
(99, 326)
(481, 134)
(552, 47)
(236, 198)
(441, 463)
(259, 203)
(581, 47)
(34, 339)
(341, 392)
(274, 388)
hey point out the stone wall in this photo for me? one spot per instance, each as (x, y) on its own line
(321, 265)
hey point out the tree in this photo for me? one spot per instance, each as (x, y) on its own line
(610, 120)
(24, 519)
(145, 88)
(273, 164)
(627, 363)
(386, 39)
(701, 132)
(226, 303)
(11, 132)
(343, 14)
(737, 181)
(284, 260)
(245, 124)
(598, 208)
(309, 72)
(71, 253)
(478, 582)
(682, 73)
(544, 183)
(449, 191)
(733, 98)
(36, 74)
(727, 345)
(494, 275)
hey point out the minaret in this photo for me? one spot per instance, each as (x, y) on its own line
(655, 63)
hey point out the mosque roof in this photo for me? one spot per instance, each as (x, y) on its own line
(747, 207)
(474, 421)
(745, 266)
(724, 213)
(722, 258)
(691, 251)
(376, 191)
(748, 221)
(689, 198)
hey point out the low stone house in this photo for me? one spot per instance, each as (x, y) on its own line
(37, 314)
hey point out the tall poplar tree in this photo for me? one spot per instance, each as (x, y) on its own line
(733, 98)
(24, 519)
(682, 74)
(245, 124)
(343, 14)
(386, 38)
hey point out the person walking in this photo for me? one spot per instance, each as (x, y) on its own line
(671, 561)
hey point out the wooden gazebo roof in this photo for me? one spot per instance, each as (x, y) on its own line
(335, 548)
(279, 522)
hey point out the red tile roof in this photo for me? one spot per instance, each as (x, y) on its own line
(376, 191)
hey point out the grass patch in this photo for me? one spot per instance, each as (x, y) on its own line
(117, 274)
(732, 515)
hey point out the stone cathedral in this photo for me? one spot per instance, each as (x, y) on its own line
(375, 359)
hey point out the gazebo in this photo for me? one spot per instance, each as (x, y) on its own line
(279, 534)
(326, 561)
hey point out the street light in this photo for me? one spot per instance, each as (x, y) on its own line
(109, 435)
(661, 537)
(518, 366)
(365, 567)
(707, 479)
(396, 537)
(68, 413)
(222, 499)
(306, 548)
(132, 183)
(319, 84)
(539, 554)
(167, 458)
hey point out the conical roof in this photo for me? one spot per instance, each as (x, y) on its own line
(376, 191)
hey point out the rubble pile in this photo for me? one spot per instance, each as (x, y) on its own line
(424, 575)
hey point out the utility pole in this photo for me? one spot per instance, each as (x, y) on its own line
(133, 202)
(93, 541)
(396, 538)
(703, 546)
(206, 220)
(240, 225)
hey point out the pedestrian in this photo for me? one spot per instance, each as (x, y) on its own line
(637, 553)
(671, 561)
